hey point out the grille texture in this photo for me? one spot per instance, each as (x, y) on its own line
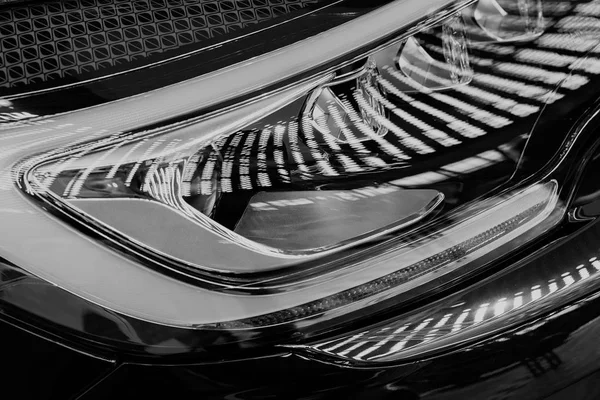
(48, 40)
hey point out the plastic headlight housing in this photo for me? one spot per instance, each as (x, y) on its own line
(387, 171)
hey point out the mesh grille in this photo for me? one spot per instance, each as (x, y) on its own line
(43, 41)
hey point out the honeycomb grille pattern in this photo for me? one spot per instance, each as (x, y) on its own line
(44, 41)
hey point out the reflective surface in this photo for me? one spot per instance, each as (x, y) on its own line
(40, 369)
(542, 357)
(505, 25)
(554, 352)
(391, 341)
(361, 127)
(456, 124)
(474, 133)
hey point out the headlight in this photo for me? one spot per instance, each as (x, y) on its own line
(385, 159)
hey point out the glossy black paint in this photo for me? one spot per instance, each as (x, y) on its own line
(539, 358)
(36, 368)
(535, 365)
(542, 356)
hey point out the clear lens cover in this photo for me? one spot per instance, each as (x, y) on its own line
(303, 173)
(507, 21)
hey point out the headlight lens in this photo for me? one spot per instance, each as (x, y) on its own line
(301, 174)
(385, 175)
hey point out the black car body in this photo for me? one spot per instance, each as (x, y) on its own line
(258, 199)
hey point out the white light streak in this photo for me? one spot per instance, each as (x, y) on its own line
(518, 301)
(567, 278)
(345, 342)
(500, 307)
(461, 318)
(553, 286)
(378, 345)
(536, 292)
(480, 313)
(583, 272)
